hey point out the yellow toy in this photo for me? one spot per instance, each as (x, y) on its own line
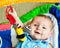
(20, 34)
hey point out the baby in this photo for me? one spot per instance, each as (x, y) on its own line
(40, 29)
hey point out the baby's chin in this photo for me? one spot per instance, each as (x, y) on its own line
(39, 38)
(36, 38)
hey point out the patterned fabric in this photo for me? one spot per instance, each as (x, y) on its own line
(56, 12)
(5, 26)
(5, 39)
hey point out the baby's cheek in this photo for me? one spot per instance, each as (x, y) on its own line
(45, 35)
(31, 32)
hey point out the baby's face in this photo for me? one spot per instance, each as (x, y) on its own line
(40, 28)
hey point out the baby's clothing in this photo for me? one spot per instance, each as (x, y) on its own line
(29, 43)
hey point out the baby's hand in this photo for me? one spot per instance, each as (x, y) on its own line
(11, 14)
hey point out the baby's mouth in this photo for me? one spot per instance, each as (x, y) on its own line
(37, 32)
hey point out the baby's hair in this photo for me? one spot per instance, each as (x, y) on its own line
(45, 16)
(42, 16)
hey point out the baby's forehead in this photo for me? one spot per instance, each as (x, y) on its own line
(42, 18)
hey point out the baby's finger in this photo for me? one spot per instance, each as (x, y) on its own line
(14, 11)
(11, 13)
(11, 8)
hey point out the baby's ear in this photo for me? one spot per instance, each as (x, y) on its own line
(28, 23)
(51, 32)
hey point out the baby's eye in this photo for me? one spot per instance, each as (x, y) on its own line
(35, 25)
(44, 27)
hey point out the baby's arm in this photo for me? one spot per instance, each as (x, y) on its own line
(11, 15)
(50, 45)
(15, 21)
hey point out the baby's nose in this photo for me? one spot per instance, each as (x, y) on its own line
(39, 27)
